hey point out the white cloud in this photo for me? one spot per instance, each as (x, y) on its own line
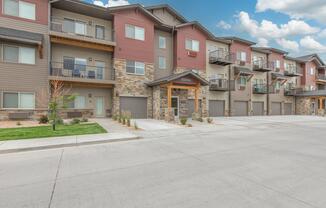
(310, 44)
(309, 9)
(222, 24)
(269, 30)
(322, 34)
(110, 3)
(262, 42)
(288, 44)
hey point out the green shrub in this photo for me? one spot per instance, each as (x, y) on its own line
(209, 120)
(119, 119)
(84, 120)
(136, 126)
(43, 119)
(18, 123)
(128, 122)
(59, 121)
(183, 121)
(75, 121)
(189, 125)
(200, 119)
(115, 117)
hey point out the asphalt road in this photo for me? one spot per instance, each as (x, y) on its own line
(242, 163)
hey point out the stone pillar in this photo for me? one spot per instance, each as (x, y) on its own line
(169, 115)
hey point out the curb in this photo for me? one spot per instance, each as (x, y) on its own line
(25, 149)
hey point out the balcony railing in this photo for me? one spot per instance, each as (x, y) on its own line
(81, 29)
(261, 65)
(221, 57)
(259, 89)
(217, 84)
(292, 71)
(80, 71)
(321, 77)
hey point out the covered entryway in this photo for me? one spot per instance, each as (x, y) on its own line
(137, 106)
(276, 108)
(258, 108)
(288, 109)
(216, 108)
(240, 108)
(191, 107)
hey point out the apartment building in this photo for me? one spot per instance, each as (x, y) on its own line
(150, 61)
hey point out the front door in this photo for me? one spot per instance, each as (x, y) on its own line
(99, 111)
(175, 105)
(313, 108)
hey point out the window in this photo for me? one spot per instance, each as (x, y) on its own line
(241, 56)
(135, 32)
(277, 64)
(80, 102)
(15, 54)
(99, 32)
(161, 62)
(162, 42)
(277, 85)
(19, 9)
(312, 71)
(242, 81)
(100, 66)
(134, 67)
(80, 28)
(192, 45)
(18, 100)
(72, 26)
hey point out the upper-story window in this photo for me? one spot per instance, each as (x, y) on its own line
(135, 67)
(74, 26)
(241, 56)
(134, 32)
(99, 32)
(312, 71)
(19, 9)
(192, 45)
(162, 42)
(277, 64)
(161, 62)
(16, 54)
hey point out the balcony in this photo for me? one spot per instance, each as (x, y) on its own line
(221, 57)
(77, 73)
(81, 34)
(217, 84)
(292, 71)
(321, 78)
(291, 89)
(259, 89)
(261, 66)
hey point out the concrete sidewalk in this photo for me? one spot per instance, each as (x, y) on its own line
(58, 142)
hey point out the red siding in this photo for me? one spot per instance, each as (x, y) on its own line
(277, 56)
(129, 48)
(308, 79)
(41, 8)
(241, 47)
(182, 57)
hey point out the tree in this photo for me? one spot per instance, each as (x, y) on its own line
(59, 98)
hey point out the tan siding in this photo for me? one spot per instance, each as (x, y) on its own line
(167, 53)
(166, 17)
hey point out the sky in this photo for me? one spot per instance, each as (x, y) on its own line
(296, 26)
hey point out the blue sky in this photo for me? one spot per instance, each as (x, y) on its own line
(297, 26)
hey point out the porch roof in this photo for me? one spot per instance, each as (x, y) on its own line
(21, 36)
(175, 77)
(279, 76)
(245, 71)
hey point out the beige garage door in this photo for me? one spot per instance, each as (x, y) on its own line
(240, 108)
(258, 108)
(216, 108)
(276, 108)
(137, 106)
(288, 109)
(191, 107)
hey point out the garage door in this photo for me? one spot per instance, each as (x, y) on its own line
(240, 108)
(276, 108)
(258, 108)
(191, 107)
(288, 108)
(137, 106)
(216, 108)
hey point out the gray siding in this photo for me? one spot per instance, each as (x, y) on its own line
(167, 53)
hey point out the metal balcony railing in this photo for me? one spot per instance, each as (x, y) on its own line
(292, 71)
(259, 89)
(70, 70)
(261, 65)
(81, 28)
(218, 84)
(221, 57)
(321, 77)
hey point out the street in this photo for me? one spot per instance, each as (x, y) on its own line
(242, 163)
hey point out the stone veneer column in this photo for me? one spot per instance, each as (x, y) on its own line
(132, 85)
(303, 105)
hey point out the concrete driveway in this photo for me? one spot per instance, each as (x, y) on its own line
(253, 165)
(152, 124)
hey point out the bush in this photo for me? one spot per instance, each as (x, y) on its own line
(115, 117)
(18, 123)
(59, 121)
(189, 125)
(136, 126)
(128, 122)
(119, 119)
(75, 121)
(84, 120)
(183, 121)
(200, 119)
(209, 120)
(43, 119)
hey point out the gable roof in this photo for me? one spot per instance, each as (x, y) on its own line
(275, 50)
(169, 9)
(173, 77)
(233, 38)
(260, 50)
(311, 57)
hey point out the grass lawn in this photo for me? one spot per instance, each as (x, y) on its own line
(46, 131)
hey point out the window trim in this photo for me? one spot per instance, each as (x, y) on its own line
(130, 73)
(159, 66)
(192, 48)
(18, 108)
(134, 27)
(240, 53)
(159, 41)
(19, 16)
(2, 46)
(95, 35)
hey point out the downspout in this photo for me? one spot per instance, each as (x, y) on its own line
(229, 78)
(268, 87)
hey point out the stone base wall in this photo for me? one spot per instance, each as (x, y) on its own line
(132, 85)
(303, 105)
(33, 114)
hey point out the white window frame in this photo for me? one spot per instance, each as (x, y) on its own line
(19, 93)
(19, 54)
(242, 56)
(277, 64)
(192, 48)
(136, 67)
(19, 13)
(312, 71)
(162, 38)
(75, 101)
(162, 58)
(134, 36)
